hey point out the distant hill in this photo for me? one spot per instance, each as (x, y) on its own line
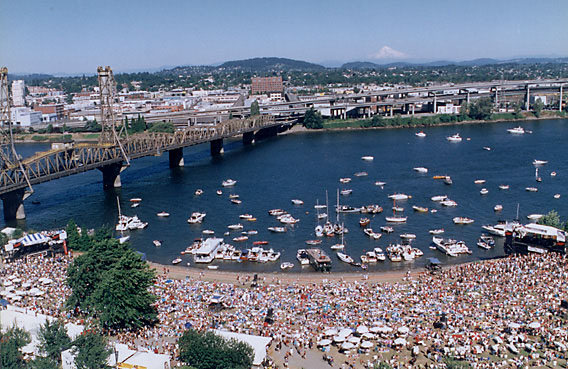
(441, 63)
(268, 64)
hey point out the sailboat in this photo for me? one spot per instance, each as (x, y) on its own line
(337, 227)
(395, 218)
(319, 228)
(537, 177)
(339, 246)
(122, 239)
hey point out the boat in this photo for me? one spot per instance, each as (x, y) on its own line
(504, 187)
(318, 206)
(208, 232)
(369, 257)
(287, 219)
(400, 196)
(135, 199)
(345, 180)
(421, 169)
(163, 214)
(484, 191)
(233, 196)
(367, 158)
(462, 220)
(517, 130)
(556, 196)
(302, 257)
(157, 243)
(319, 260)
(260, 243)
(372, 209)
(397, 209)
(206, 251)
(347, 209)
(436, 231)
(313, 242)
(535, 216)
(450, 247)
(420, 209)
(531, 189)
(276, 212)
(396, 219)
(387, 229)
(439, 198)
(176, 261)
(135, 205)
(369, 232)
(235, 227)
(408, 236)
(346, 192)
(277, 229)
(479, 181)
(448, 180)
(498, 207)
(338, 246)
(380, 184)
(219, 192)
(420, 134)
(487, 148)
(246, 216)
(539, 162)
(198, 192)
(196, 217)
(439, 177)
(363, 222)
(361, 174)
(286, 265)
(297, 202)
(454, 138)
(449, 203)
(553, 174)
(122, 239)
(213, 267)
(236, 201)
(345, 258)
(433, 211)
(240, 238)
(228, 183)
(483, 244)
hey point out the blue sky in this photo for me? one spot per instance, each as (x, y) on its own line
(75, 36)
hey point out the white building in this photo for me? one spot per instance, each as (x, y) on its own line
(25, 117)
(448, 109)
(535, 98)
(18, 92)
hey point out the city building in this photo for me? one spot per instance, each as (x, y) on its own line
(50, 109)
(25, 117)
(266, 84)
(18, 93)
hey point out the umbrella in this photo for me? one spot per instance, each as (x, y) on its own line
(400, 341)
(188, 325)
(4, 303)
(362, 329)
(403, 330)
(534, 325)
(330, 332)
(347, 346)
(26, 285)
(354, 340)
(17, 280)
(369, 336)
(46, 280)
(514, 325)
(345, 332)
(338, 339)
(34, 292)
(7, 283)
(366, 344)
(325, 342)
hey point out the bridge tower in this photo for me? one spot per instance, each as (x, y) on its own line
(112, 134)
(13, 202)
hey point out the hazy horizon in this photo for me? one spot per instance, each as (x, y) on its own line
(74, 37)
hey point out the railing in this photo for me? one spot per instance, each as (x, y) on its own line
(53, 164)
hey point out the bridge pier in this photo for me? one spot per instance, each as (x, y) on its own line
(248, 138)
(217, 147)
(560, 100)
(527, 103)
(111, 175)
(176, 158)
(13, 204)
(266, 133)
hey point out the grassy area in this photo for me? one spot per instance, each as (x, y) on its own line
(90, 136)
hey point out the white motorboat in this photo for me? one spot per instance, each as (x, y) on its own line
(448, 180)
(420, 134)
(302, 256)
(196, 217)
(408, 236)
(157, 243)
(421, 169)
(338, 246)
(276, 212)
(236, 201)
(135, 205)
(449, 203)
(436, 231)
(556, 196)
(531, 189)
(369, 232)
(135, 199)
(486, 148)
(484, 191)
(462, 220)
(346, 192)
(517, 130)
(540, 162)
(419, 209)
(396, 219)
(345, 180)
(228, 182)
(367, 158)
(318, 206)
(176, 261)
(498, 207)
(504, 187)
(123, 239)
(345, 258)
(347, 209)
(297, 202)
(387, 229)
(198, 192)
(240, 238)
(479, 181)
(246, 216)
(163, 214)
(213, 267)
(483, 245)
(286, 265)
(277, 229)
(233, 196)
(208, 232)
(535, 216)
(553, 174)
(380, 184)
(439, 198)
(454, 138)
(397, 209)
(219, 192)
(400, 196)
(235, 227)
(361, 174)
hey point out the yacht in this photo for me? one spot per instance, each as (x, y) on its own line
(387, 229)
(450, 247)
(479, 181)
(163, 214)
(484, 191)
(198, 192)
(449, 203)
(504, 187)
(517, 130)
(302, 257)
(196, 218)
(539, 162)
(126, 223)
(420, 209)
(369, 232)
(286, 265)
(235, 227)
(367, 158)
(297, 202)
(361, 174)
(228, 183)
(207, 250)
(345, 258)
(420, 134)
(439, 198)
(421, 169)
(462, 220)
(345, 180)
(399, 196)
(531, 189)
(454, 138)
(277, 229)
(436, 231)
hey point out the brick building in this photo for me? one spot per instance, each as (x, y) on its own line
(266, 84)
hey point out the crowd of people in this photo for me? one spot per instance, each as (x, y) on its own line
(498, 313)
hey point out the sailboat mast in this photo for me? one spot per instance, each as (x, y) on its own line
(337, 211)
(326, 204)
(118, 203)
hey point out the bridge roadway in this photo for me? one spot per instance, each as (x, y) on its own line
(364, 99)
(82, 157)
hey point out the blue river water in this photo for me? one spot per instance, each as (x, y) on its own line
(303, 166)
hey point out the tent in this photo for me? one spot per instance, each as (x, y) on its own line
(347, 346)
(34, 239)
(258, 343)
(403, 330)
(400, 342)
(325, 342)
(362, 329)
(330, 332)
(366, 344)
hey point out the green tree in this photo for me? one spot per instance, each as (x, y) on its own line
(210, 351)
(382, 365)
(551, 219)
(11, 343)
(91, 351)
(43, 363)
(313, 119)
(481, 109)
(452, 363)
(53, 339)
(254, 108)
(166, 127)
(537, 108)
(73, 236)
(49, 128)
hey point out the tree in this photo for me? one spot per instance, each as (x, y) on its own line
(481, 109)
(44, 363)
(73, 235)
(254, 108)
(211, 351)
(91, 351)
(53, 339)
(11, 342)
(166, 127)
(551, 219)
(49, 128)
(313, 119)
(537, 107)
(452, 363)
